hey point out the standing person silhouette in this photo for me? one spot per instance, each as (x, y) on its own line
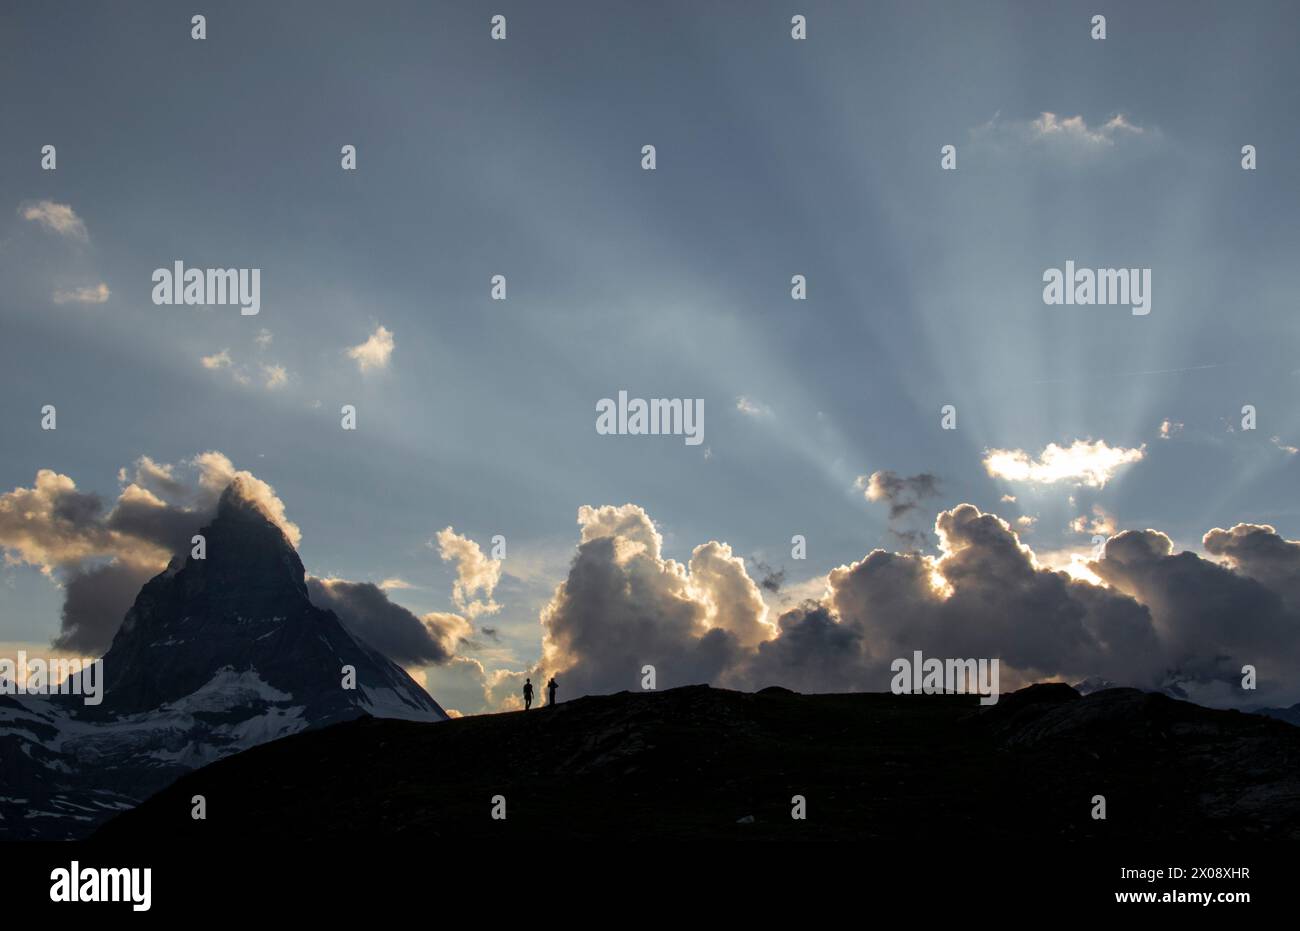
(551, 687)
(528, 694)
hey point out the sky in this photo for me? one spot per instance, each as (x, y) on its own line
(774, 158)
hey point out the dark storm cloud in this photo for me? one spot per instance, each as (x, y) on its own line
(94, 603)
(366, 611)
(1210, 616)
(1260, 552)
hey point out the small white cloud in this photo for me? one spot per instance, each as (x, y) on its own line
(274, 376)
(1065, 135)
(1169, 428)
(1049, 125)
(1082, 462)
(263, 338)
(1101, 522)
(375, 352)
(58, 218)
(394, 584)
(97, 294)
(752, 408)
(1285, 447)
(218, 360)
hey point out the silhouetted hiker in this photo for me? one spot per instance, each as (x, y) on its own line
(528, 694)
(551, 687)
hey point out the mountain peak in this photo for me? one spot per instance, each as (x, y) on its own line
(245, 545)
(244, 606)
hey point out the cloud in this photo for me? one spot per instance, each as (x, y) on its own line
(1075, 129)
(464, 685)
(274, 376)
(903, 493)
(623, 606)
(218, 360)
(1211, 619)
(1169, 428)
(271, 376)
(1259, 552)
(1082, 462)
(366, 611)
(1067, 137)
(1101, 522)
(770, 579)
(375, 352)
(719, 581)
(102, 554)
(58, 218)
(752, 408)
(263, 338)
(97, 294)
(475, 573)
(1158, 619)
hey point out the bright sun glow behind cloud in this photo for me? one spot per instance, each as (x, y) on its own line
(1082, 462)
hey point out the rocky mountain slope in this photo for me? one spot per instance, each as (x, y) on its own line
(215, 656)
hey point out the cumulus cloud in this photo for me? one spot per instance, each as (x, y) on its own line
(1261, 553)
(623, 606)
(366, 611)
(57, 218)
(375, 352)
(1151, 618)
(1169, 428)
(103, 554)
(1082, 463)
(719, 581)
(218, 360)
(475, 573)
(752, 408)
(96, 294)
(1211, 620)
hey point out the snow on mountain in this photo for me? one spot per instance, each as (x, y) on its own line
(215, 656)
